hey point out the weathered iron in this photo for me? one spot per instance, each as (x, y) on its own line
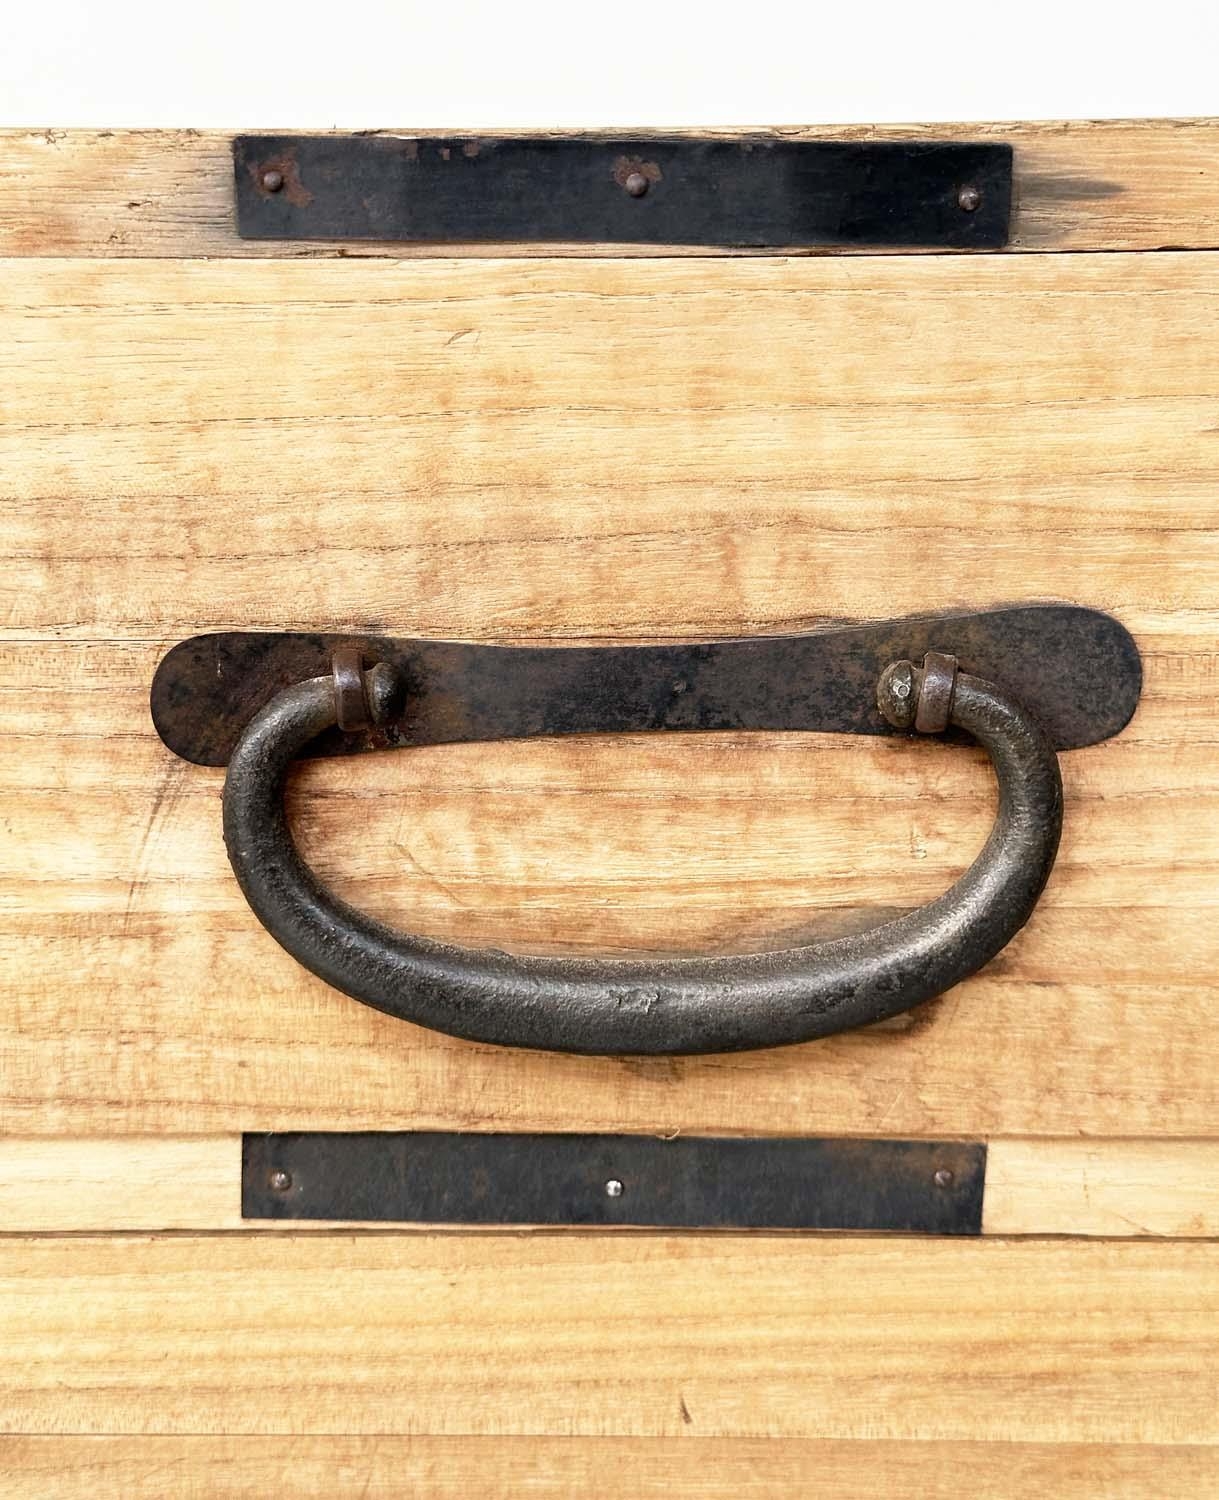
(1076, 671)
(691, 1182)
(670, 1005)
(754, 191)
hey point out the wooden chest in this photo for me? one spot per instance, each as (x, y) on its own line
(579, 445)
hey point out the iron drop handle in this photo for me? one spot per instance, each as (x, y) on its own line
(705, 1003)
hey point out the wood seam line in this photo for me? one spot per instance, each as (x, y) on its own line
(1039, 1188)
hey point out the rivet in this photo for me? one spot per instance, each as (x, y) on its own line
(280, 1181)
(897, 694)
(636, 184)
(613, 1188)
(944, 1178)
(969, 198)
(272, 181)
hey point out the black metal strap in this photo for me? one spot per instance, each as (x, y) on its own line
(754, 191)
(688, 1182)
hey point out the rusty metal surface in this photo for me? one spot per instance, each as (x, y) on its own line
(671, 1005)
(935, 693)
(692, 1182)
(754, 192)
(351, 709)
(1077, 671)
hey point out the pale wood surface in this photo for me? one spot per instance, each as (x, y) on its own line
(1078, 185)
(1168, 1188)
(539, 1468)
(592, 449)
(1115, 1188)
(134, 1182)
(665, 1336)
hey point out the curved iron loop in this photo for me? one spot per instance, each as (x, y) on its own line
(703, 1003)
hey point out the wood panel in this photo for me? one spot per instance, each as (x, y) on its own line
(1116, 1188)
(625, 448)
(533, 1468)
(578, 449)
(575, 449)
(629, 1336)
(1079, 185)
(104, 1183)
(1102, 1188)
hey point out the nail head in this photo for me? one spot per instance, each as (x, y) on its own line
(636, 184)
(272, 181)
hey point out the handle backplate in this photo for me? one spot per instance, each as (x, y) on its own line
(1075, 670)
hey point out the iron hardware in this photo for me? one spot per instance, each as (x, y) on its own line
(749, 192)
(683, 1004)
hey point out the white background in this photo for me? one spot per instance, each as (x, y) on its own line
(598, 62)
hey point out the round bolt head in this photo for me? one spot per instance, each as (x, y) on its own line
(272, 181)
(896, 696)
(636, 184)
(613, 1188)
(386, 692)
(944, 1178)
(280, 1181)
(969, 199)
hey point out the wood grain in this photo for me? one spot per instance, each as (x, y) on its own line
(1078, 185)
(1084, 1342)
(598, 449)
(109, 1183)
(568, 449)
(593, 449)
(535, 1468)
(1114, 1188)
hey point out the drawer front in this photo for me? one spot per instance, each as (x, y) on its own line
(596, 444)
(594, 450)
